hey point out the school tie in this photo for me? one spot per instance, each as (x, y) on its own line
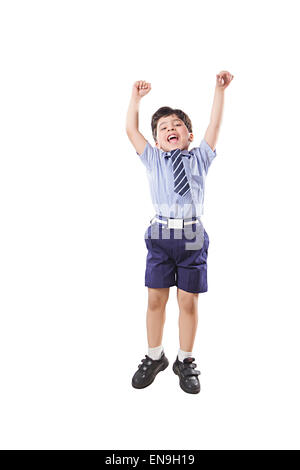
(181, 184)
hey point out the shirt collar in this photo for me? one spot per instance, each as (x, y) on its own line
(183, 152)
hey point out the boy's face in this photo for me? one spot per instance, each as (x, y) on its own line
(172, 125)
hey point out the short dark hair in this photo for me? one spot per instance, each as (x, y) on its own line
(167, 111)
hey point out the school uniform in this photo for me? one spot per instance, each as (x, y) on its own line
(176, 240)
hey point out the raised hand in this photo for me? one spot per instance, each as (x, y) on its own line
(223, 79)
(141, 88)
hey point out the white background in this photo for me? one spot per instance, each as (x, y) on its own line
(75, 204)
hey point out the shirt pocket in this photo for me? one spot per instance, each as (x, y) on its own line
(196, 174)
(197, 179)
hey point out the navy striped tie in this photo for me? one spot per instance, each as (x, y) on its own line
(181, 184)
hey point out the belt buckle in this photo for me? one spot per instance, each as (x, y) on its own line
(175, 223)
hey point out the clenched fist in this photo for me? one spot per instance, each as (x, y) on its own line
(223, 79)
(141, 88)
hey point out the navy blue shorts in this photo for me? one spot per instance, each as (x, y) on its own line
(177, 257)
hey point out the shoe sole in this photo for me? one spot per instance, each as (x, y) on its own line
(193, 392)
(160, 370)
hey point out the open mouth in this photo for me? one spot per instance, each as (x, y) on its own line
(173, 138)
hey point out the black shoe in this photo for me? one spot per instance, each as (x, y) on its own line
(148, 370)
(188, 375)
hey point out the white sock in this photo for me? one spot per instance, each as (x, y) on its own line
(155, 353)
(183, 354)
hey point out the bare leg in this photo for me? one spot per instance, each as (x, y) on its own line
(188, 318)
(156, 315)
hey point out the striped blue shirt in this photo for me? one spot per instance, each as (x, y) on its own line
(161, 180)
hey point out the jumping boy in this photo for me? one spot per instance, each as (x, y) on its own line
(176, 178)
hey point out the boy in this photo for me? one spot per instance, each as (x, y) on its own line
(176, 177)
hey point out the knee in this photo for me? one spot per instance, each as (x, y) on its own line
(188, 303)
(157, 300)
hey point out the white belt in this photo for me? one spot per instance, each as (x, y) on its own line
(175, 223)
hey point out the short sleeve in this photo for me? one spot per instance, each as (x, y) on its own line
(205, 154)
(149, 156)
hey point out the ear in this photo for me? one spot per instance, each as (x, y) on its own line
(191, 138)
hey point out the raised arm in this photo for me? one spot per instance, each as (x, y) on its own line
(139, 89)
(212, 132)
